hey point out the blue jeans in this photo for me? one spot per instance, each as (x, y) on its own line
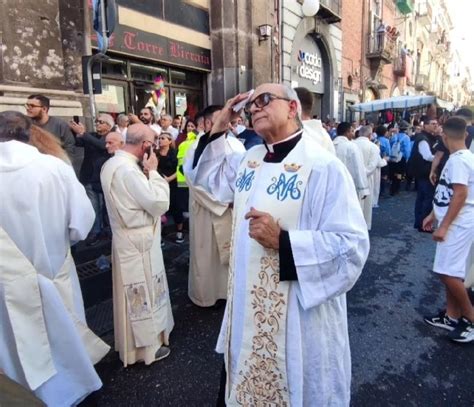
(97, 201)
(424, 201)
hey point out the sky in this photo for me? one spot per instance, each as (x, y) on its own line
(462, 12)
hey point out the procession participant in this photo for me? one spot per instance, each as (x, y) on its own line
(372, 161)
(351, 156)
(142, 311)
(45, 342)
(210, 226)
(114, 141)
(314, 127)
(299, 244)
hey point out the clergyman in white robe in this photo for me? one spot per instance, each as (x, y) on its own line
(210, 226)
(372, 161)
(351, 156)
(143, 319)
(316, 131)
(45, 343)
(329, 244)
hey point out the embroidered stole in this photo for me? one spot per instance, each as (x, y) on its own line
(261, 377)
(146, 306)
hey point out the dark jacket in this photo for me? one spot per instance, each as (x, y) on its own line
(417, 166)
(249, 138)
(95, 155)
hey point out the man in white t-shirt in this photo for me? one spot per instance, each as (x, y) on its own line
(453, 208)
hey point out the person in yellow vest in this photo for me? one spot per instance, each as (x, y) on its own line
(45, 344)
(299, 244)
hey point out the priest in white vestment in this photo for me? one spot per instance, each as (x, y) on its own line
(45, 343)
(299, 244)
(314, 128)
(142, 310)
(372, 161)
(351, 156)
(210, 226)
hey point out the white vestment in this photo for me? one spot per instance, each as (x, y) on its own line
(44, 340)
(316, 131)
(142, 311)
(372, 162)
(329, 246)
(351, 156)
(210, 225)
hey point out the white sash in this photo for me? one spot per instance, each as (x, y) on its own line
(147, 314)
(261, 377)
(25, 311)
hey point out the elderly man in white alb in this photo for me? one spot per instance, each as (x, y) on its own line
(142, 311)
(45, 344)
(299, 244)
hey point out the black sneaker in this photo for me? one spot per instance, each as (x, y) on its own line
(442, 321)
(464, 332)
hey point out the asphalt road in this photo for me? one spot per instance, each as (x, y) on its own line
(397, 359)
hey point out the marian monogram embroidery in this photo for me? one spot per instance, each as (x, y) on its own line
(283, 187)
(262, 383)
(245, 179)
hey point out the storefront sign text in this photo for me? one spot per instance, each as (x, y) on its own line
(310, 67)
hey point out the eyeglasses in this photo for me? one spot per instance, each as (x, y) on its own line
(263, 100)
(98, 121)
(31, 106)
(147, 141)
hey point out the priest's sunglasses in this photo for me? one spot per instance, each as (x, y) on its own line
(263, 100)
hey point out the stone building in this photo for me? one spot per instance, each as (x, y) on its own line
(312, 53)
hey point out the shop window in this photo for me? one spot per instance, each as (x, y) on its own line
(112, 99)
(186, 78)
(114, 68)
(144, 73)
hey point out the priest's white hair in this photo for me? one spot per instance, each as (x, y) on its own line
(365, 131)
(291, 94)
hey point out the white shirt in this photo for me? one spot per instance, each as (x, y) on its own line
(459, 169)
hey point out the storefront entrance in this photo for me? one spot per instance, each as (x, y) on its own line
(128, 86)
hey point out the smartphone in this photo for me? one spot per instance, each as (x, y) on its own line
(148, 151)
(239, 106)
(75, 119)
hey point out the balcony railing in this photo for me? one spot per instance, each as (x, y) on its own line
(381, 46)
(330, 11)
(422, 82)
(425, 12)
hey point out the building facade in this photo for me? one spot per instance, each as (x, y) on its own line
(312, 53)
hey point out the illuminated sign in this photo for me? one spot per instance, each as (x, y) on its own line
(310, 66)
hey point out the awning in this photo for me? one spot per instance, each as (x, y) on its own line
(400, 102)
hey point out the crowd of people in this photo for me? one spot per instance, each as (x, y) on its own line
(279, 207)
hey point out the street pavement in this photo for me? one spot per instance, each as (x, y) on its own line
(397, 359)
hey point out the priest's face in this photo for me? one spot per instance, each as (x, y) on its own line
(273, 113)
(113, 142)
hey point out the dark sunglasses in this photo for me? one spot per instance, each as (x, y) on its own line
(263, 100)
(98, 121)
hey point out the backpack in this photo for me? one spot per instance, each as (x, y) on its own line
(396, 151)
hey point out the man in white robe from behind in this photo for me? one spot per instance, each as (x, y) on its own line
(313, 127)
(299, 244)
(351, 156)
(45, 343)
(142, 311)
(210, 226)
(372, 161)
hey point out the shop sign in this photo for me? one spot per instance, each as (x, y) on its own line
(310, 66)
(156, 47)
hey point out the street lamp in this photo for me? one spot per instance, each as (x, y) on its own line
(264, 32)
(310, 7)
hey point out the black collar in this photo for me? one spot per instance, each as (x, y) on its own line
(276, 153)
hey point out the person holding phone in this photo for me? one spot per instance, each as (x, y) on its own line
(142, 310)
(300, 242)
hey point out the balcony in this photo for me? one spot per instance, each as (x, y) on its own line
(330, 11)
(424, 12)
(381, 47)
(422, 82)
(405, 6)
